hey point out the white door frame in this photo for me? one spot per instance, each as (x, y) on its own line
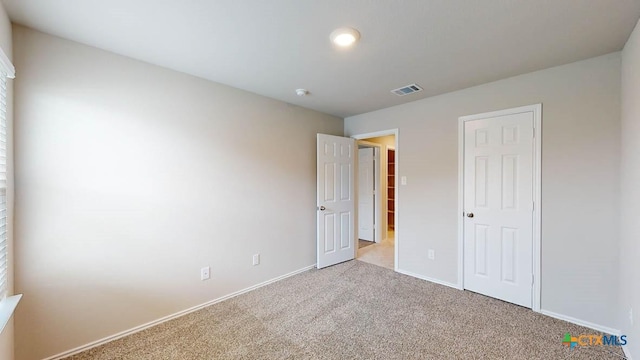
(396, 223)
(376, 175)
(537, 186)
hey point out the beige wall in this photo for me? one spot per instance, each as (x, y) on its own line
(132, 177)
(580, 179)
(6, 337)
(630, 191)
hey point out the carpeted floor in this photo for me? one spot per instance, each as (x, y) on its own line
(355, 310)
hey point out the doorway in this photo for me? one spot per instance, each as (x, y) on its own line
(382, 252)
(337, 196)
(499, 191)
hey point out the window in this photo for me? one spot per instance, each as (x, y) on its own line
(6, 71)
(3, 185)
(7, 303)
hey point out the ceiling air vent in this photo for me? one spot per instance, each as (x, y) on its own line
(406, 90)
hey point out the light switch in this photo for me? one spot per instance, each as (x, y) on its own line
(403, 180)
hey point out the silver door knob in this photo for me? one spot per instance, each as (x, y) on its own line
(322, 208)
(470, 215)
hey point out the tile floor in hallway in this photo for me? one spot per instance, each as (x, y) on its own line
(380, 254)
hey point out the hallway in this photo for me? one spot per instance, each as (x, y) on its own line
(381, 254)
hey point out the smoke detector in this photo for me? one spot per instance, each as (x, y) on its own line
(406, 90)
(302, 92)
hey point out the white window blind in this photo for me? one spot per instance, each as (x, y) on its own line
(3, 185)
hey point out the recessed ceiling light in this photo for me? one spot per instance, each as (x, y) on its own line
(344, 36)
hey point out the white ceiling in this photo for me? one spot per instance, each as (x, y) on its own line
(274, 47)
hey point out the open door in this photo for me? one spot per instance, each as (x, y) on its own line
(336, 202)
(366, 194)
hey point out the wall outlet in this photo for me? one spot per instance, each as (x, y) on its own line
(631, 316)
(256, 259)
(431, 254)
(205, 273)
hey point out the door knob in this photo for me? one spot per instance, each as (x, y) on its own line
(322, 208)
(470, 215)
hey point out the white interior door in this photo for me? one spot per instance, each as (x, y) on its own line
(366, 194)
(498, 206)
(336, 203)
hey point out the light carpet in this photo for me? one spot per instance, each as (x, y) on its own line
(355, 310)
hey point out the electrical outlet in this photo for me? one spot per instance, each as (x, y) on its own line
(431, 254)
(631, 316)
(205, 273)
(256, 259)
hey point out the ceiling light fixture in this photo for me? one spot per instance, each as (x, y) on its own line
(345, 36)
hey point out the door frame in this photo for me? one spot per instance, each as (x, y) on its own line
(536, 109)
(396, 216)
(377, 234)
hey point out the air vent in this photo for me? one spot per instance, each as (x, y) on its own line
(406, 90)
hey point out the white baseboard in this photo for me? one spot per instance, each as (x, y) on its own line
(421, 277)
(584, 323)
(173, 316)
